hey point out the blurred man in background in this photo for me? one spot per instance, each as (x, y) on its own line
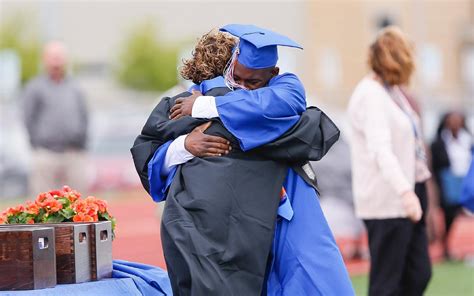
(56, 119)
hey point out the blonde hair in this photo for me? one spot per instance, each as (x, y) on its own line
(210, 56)
(391, 56)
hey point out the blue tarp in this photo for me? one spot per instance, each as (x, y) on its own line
(129, 279)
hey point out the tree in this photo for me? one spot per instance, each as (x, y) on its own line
(145, 63)
(16, 34)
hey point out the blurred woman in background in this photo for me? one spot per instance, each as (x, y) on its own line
(388, 159)
(451, 157)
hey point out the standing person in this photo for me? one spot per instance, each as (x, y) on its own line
(56, 119)
(451, 156)
(388, 158)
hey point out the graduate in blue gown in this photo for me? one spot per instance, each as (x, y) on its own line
(305, 259)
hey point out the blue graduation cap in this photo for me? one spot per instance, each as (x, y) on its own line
(257, 46)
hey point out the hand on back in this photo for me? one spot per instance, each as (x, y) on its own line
(184, 106)
(202, 145)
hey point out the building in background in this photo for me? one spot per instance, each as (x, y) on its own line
(442, 31)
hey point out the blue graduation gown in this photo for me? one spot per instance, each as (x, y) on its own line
(306, 259)
(150, 280)
(159, 183)
(274, 109)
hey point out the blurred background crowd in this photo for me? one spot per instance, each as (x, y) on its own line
(116, 59)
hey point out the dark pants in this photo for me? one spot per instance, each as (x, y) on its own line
(400, 262)
(450, 213)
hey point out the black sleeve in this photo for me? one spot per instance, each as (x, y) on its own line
(309, 139)
(158, 130)
(160, 127)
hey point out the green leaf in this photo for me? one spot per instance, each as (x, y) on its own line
(13, 220)
(54, 219)
(40, 215)
(67, 213)
(64, 201)
(23, 217)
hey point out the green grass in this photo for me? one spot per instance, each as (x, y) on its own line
(449, 279)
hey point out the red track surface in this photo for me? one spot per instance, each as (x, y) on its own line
(138, 234)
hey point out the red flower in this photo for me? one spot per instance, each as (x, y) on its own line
(55, 193)
(3, 219)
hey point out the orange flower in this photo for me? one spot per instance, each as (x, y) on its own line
(100, 205)
(3, 219)
(71, 194)
(32, 208)
(42, 198)
(53, 205)
(46, 201)
(81, 217)
(30, 221)
(16, 210)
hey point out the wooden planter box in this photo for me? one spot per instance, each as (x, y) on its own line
(27, 258)
(83, 250)
(101, 249)
(73, 252)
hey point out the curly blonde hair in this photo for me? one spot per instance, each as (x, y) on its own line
(391, 56)
(210, 56)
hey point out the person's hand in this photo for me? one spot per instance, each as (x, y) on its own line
(184, 106)
(202, 145)
(412, 206)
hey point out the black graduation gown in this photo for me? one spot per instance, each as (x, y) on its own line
(218, 223)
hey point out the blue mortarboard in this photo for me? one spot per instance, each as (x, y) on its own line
(257, 46)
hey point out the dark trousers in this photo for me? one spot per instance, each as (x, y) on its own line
(450, 213)
(400, 262)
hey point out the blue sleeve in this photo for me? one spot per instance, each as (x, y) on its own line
(158, 183)
(467, 194)
(257, 117)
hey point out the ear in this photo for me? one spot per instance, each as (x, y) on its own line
(275, 71)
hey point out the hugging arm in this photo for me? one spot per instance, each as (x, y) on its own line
(254, 117)
(159, 129)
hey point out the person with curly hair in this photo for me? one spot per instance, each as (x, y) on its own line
(209, 57)
(226, 179)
